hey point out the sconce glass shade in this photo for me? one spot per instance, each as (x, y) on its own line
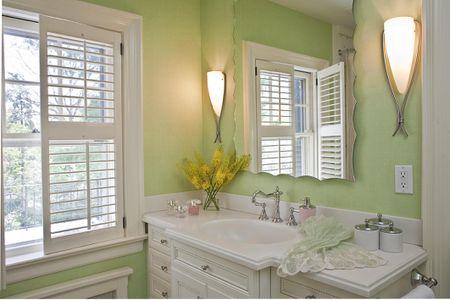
(216, 90)
(401, 44)
(400, 48)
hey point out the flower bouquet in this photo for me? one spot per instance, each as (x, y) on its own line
(212, 176)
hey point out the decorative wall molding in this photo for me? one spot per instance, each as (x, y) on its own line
(436, 141)
(37, 264)
(114, 282)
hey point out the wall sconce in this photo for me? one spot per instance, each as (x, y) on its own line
(216, 91)
(401, 44)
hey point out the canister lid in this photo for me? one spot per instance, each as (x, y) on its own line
(366, 226)
(391, 229)
(307, 203)
(379, 221)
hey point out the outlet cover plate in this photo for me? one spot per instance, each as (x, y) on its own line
(404, 179)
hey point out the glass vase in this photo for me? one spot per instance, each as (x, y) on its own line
(211, 202)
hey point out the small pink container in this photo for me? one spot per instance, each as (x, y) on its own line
(306, 210)
(193, 208)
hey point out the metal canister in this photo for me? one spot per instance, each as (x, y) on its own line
(391, 239)
(367, 236)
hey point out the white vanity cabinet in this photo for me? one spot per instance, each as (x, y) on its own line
(158, 263)
(184, 262)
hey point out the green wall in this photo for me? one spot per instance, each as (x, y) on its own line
(172, 87)
(376, 151)
(172, 117)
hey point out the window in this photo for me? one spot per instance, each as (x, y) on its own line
(299, 123)
(285, 127)
(21, 128)
(62, 134)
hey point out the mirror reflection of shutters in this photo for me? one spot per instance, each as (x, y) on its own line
(331, 118)
(276, 129)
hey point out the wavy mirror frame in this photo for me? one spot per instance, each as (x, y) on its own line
(248, 82)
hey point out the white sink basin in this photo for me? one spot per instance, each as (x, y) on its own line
(248, 231)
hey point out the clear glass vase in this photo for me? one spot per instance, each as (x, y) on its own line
(211, 202)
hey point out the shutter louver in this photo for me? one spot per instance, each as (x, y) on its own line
(81, 137)
(331, 116)
(275, 98)
(276, 155)
(80, 80)
(275, 118)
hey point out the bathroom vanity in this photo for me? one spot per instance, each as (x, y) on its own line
(230, 254)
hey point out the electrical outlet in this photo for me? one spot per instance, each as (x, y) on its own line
(404, 179)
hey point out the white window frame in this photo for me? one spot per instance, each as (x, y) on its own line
(130, 26)
(250, 53)
(20, 139)
(310, 120)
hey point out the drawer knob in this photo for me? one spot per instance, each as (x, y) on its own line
(204, 268)
(310, 297)
(164, 294)
(164, 268)
(164, 242)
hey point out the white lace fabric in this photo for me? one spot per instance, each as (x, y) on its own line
(323, 247)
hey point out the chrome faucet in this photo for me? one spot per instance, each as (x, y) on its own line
(277, 196)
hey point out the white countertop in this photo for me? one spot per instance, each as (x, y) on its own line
(365, 282)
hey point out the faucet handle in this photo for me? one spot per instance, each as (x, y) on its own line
(291, 220)
(263, 216)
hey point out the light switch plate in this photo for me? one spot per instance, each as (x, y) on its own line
(404, 179)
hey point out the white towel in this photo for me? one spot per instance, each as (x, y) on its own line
(420, 292)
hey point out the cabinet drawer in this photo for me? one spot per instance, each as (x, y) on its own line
(159, 264)
(188, 283)
(299, 286)
(224, 270)
(158, 240)
(186, 287)
(297, 290)
(158, 288)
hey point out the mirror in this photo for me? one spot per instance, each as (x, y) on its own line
(298, 107)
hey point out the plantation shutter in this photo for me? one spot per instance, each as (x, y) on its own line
(276, 131)
(331, 118)
(81, 134)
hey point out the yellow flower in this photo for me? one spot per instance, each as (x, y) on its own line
(215, 174)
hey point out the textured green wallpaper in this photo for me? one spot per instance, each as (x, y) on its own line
(172, 87)
(376, 151)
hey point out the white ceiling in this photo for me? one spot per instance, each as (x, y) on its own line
(332, 11)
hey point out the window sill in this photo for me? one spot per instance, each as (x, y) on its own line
(36, 264)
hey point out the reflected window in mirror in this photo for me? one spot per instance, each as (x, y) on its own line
(299, 120)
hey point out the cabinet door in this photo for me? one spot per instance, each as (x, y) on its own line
(186, 287)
